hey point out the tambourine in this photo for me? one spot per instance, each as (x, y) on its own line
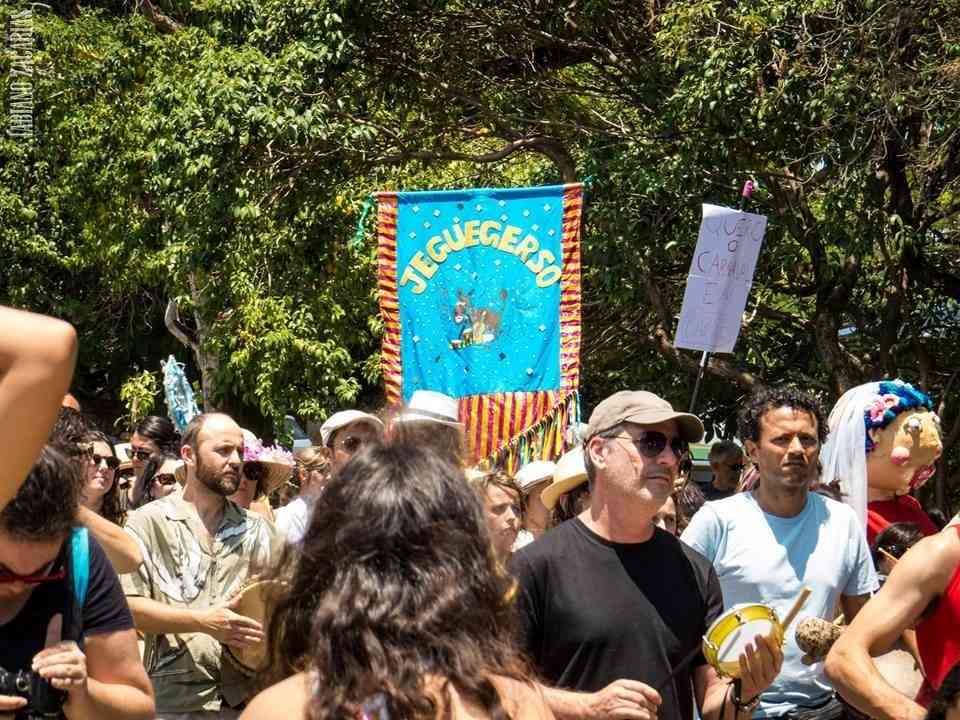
(729, 635)
(255, 597)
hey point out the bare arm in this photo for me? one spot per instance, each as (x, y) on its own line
(150, 616)
(624, 699)
(288, 698)
(37, 355)
(121, 549)
(919, 576)
(117, 684)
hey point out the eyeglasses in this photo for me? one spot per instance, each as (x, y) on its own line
(138, 454)
(50, 575)
(738, 468)
(112, 462)
(165, 479)
(650, 443)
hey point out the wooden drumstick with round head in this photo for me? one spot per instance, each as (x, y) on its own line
(797, 605)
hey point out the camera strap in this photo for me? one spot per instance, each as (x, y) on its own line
(80, 563)
(78, 584)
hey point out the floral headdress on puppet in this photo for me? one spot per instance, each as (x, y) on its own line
(872, 406)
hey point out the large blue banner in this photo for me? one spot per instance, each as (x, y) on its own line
(478, 276)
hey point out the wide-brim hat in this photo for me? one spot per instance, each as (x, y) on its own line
(276, 460)
(643, 408)
(122, 451)
(347, 417)
(570, 472)
(533, 474)
(177, 468)
(431, 406)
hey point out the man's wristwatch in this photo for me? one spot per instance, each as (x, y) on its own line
(746, 707)
(740, 705)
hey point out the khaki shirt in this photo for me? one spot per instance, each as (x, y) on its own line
(188, 671)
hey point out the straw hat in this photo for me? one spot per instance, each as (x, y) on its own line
(533, 474)
(122, 451)
(570, 472)
(430, 406)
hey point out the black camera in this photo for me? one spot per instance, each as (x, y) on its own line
(43, 699)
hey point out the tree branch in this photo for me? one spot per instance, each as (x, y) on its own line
(171, 318)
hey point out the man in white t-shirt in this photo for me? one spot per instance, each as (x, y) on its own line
(768, 544)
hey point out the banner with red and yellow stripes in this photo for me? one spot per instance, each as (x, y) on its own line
(480, 299)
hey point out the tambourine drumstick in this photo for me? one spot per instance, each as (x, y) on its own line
(797, 605)
(679, 666)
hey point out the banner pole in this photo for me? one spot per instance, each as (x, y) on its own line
(696, 386)
(745, 194)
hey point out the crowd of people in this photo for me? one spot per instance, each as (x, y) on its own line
(379, 574)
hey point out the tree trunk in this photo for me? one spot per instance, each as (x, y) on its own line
(207, 362)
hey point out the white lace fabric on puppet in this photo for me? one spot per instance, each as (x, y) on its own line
(844, 456)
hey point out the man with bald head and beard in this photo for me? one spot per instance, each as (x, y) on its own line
(199, 548)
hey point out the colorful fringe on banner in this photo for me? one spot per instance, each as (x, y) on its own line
(480, 299)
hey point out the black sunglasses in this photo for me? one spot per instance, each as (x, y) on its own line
(254, 470)
(139, 454)
(165, 479)
(112, 462)
(650, 443)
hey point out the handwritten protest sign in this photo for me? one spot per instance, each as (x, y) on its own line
(720, 277)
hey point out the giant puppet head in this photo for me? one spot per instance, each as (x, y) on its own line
(884, 438)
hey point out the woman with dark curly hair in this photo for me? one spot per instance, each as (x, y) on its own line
(396, 607)
(101, 492)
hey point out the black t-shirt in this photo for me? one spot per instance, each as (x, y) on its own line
(593, 611)
(712, 493)
(104, 611)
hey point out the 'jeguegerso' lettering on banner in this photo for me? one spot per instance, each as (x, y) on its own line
(487, 233)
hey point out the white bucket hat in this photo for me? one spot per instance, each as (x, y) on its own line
(533, 474)
(347, 417)
(570, 472)
(430, 406)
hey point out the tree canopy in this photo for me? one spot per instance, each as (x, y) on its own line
(198, 169)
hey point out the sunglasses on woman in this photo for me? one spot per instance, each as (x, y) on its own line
(254, 470)
(57, 570)
(112, 462)
(165, 479)
(138, 454)
(650, 443)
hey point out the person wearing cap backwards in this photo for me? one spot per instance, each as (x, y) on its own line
(531, 479)
(345, 432)
(609, 604)
(770, 543)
